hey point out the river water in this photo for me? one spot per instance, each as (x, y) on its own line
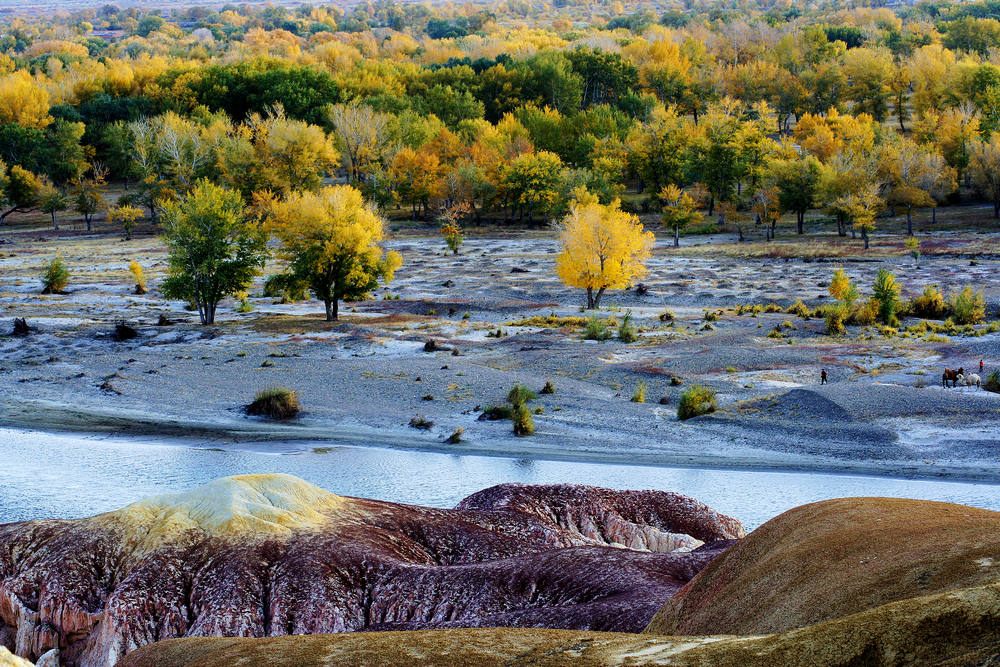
(45, 475)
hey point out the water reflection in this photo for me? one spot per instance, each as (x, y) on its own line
(46, 475)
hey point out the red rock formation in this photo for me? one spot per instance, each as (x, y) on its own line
(268, 555)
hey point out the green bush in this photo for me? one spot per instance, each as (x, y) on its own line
(497, 412)
(640, 393)
(836, 314)
(523, 423)
(549, 388)
(930, 304)
(596, 329)
(992, 382)
(696, 401)
(626, 330)
(968, 306)
(275, 403)
(56, 276)
(667, 316)
(886, 294)
(519, 395)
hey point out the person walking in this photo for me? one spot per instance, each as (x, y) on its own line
(822, 376)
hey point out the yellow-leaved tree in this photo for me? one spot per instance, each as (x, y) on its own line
(603, 248)
(331, 240)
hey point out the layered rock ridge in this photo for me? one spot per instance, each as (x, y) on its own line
(271, 555)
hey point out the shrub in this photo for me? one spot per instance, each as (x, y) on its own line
(549, 388)
(930, 304)
(800, 309)
(866, 314)
(140, 278)
(595, 329)
(696, 401)
(772, 308)
(667, 316)
(421, 423)
(836, 314)
(626, 330)
(992, 382)
(710, 316)
(968, 306)
(640, 393)
(456, 436)
(523, 422)
(676, 381)
(497, 412)
(886, 294)
(519, 395)
(243, 304)
(275, 403)
(56, 276)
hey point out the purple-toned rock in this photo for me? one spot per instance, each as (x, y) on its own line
(269, 555)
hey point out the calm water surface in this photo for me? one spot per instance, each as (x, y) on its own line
(46, 475)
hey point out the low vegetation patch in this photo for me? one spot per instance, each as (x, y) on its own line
(274, 403)
(55, 277)
(626, 330)
(596, 329)
(696, 401)
(549, 322)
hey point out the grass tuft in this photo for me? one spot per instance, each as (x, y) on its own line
(275, 403)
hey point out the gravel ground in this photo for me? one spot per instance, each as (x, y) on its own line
(364, 378)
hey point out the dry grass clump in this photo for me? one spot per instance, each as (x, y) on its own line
(930, 305)
(275, 403)
(549, 322)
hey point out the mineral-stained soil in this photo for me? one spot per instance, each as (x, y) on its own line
(851, 582)
(270, 555)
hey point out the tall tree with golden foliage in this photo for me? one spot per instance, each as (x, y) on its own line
(331, 240)
(603, 248)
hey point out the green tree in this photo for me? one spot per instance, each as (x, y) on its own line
(51, 200)
(798, 183)
(215, 251)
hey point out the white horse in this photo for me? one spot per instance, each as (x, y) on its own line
(970, 380)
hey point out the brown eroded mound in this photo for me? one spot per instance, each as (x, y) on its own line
(834, 558)
(957, 629)
(271, 555)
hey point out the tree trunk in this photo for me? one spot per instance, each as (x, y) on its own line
(864, 235)
(55, 223)
(711, 205)
(909, 221)
(594, 300)
(799, 220)
(332, 306)
(677, 237)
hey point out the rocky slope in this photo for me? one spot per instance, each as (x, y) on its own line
(844, 583)
(270, 555)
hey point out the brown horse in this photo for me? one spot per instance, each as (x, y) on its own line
(950, 375)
